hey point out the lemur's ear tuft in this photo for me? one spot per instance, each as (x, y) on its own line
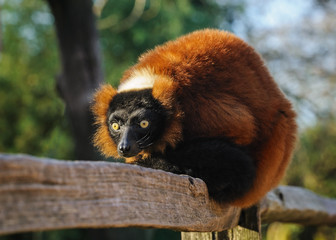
(101, 102)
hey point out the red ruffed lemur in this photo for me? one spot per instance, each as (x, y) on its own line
(203, 105)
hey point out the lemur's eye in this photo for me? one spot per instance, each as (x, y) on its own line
(144, 124)
(115, 126)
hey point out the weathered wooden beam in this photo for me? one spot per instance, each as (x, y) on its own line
(41, 194)
(297, 205)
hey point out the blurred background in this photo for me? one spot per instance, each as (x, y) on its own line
(297, 39)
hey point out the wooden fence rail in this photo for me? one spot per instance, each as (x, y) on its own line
(44, 194)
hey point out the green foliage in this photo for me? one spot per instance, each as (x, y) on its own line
(314, 163)
(32, 114)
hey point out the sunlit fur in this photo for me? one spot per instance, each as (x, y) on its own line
(215, 85)
(102, 138)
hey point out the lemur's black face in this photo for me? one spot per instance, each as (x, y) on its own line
(135, 120)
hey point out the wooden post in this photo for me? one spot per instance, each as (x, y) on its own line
(249, 228)
(198, 235)
(237, 233)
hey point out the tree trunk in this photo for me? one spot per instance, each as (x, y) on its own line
(81, 67)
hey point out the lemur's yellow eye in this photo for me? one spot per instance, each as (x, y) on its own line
(115, 126)
(144, 124)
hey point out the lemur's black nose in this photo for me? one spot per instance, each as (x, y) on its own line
(124, 147)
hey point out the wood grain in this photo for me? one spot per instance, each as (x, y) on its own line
(297, 205)
(236, 233)
(42, 194)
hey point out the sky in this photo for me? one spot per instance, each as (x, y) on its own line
(272, 14)
(297, 40)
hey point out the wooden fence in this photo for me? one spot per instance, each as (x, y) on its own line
(44, 194)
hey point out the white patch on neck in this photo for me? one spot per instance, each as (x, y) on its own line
(140, 79)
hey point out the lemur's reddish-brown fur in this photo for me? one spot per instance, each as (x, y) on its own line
(216, 85)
